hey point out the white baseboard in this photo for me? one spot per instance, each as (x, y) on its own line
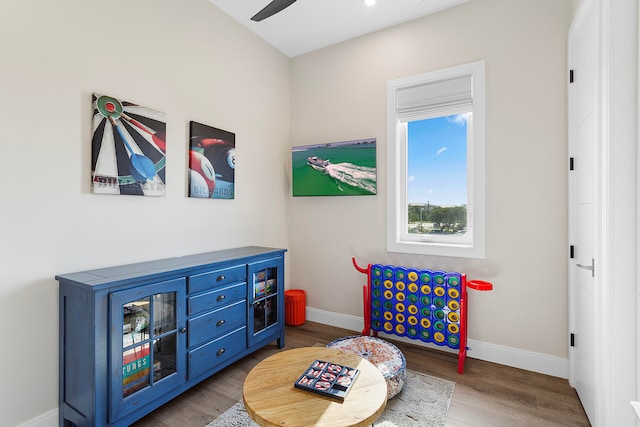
(508, 356)
(48, 419)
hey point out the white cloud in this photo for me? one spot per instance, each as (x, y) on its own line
(411, 178)
(460, 119)
(442, 150)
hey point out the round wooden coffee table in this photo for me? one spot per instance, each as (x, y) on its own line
(271, 399)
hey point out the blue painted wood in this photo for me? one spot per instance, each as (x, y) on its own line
(217, 278)
(91, 328)
(217, 298)
(215, 352)
(213, 324)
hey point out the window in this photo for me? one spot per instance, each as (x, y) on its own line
(435, 161)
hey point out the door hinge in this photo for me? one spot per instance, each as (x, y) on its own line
(571, 249)
(570, 163)
(572, 339)
(570, 76)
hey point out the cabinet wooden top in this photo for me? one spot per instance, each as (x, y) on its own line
(110, 276)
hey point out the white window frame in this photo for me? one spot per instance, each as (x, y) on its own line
(398, 239)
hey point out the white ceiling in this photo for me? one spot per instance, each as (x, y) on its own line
(308, 25)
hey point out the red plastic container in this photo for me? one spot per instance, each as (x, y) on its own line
(295, 306)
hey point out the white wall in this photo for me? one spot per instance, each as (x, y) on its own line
(184, 58)
(339, 94)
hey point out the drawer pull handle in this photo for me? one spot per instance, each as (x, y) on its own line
(221, 322)
(220, 352)
(183, 330)
(220, 298)
(220, 278)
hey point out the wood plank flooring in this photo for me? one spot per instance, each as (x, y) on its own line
(487, 394)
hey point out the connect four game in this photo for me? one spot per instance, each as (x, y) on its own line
(426, 305)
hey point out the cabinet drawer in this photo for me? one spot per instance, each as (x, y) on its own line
(209, 355)
(218, 298)
(216, 323)
(212, 279)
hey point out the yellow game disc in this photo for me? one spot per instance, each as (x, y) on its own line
(413, 276)
(388, 326)
(412, 309)
(400, 286)
(400, 296)
(400, 329)
(425, 289)
(388, 294)
(388, 315)
(413, 287)
(438, 337)
(453, 317)
(453, 328)
(388, 284)
(400, 307)
(453, 305)
(400, 318)
(453, 293)
(412, 320)
(439, 291)
(425, 323)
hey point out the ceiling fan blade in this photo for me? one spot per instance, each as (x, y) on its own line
(272, 8)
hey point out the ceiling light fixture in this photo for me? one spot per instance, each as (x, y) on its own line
(369, 2)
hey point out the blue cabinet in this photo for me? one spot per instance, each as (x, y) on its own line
(133, 337)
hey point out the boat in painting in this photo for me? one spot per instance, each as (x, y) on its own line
(317, 163)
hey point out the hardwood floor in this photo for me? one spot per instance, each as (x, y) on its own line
(487, 394)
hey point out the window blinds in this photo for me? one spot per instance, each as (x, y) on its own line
(435, 99)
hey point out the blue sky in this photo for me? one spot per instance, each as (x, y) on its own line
(437, 166)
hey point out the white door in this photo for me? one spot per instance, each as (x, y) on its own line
(583, 142)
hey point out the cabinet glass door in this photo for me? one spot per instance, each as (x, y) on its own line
(148, 341)
(150, 352)
(264, 286)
